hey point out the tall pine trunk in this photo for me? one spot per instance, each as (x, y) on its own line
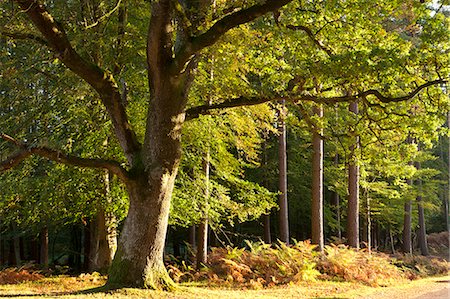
(422, 233)
(202, 244)
(353, 190)
(43, 247)
(336, 207)
(447, 199)
(407, 223)
(282, 159)
(317, 185)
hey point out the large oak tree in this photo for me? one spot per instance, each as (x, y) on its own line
(177, 32)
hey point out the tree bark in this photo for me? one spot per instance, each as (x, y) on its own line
(407, 224)
(43, 252)
(407, 244)
(317, 185)
(335, 206)
(16, 247)
(267, 233)
(202, 244)
(103, 235)
(447, 199)
(139, 258)
(283, 202)
(353, 191)
(422, 233)
(192, 237)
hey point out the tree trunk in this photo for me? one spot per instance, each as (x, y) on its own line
(407, 224)
(447, 200)
(103, 235)
(202, 243)
(317, 185)
(192, 237)
(267, 234)
(335, 206)
(139, 258)
(16, 246)
(43, 252)
(101, 251)
(422, 233)
(266, 218)
(407, 217)
(353, 191)
(282, 159)
(407, 244)
(367, 222)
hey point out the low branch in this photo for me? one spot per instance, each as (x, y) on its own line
(101, 80)
(24, 36)
(222, 26)
(25, 150)
(195, 112)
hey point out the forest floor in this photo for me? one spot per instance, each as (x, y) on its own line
(84, 287)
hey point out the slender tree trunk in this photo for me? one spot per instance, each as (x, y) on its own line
(422, 233)
(335, 206)
(407, 244)
(407, 224)
(283, 202)
(317, 185)
(266, 218)
(391, 240)
(353, 191)
(192, 236)
(367, 229)
(447, 200)
(16, 246)
(202, 244)
(103, 235)
(43, 252)
(267, 234)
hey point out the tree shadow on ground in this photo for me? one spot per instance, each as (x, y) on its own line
(101, 289)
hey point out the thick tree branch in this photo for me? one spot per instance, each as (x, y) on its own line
(24, 151)
(24, 35)
(195, 112)
(373, 92)
(219, 28)
(99, 79)
(312, 36)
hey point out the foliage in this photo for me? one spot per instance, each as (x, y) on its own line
(259, 266)
(350, 264)
(19, 275)
(418, 266)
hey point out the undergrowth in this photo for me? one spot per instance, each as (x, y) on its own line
(18, 275)
(262, 265)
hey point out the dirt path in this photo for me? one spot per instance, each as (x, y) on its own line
(442, 294)
(430, 288)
